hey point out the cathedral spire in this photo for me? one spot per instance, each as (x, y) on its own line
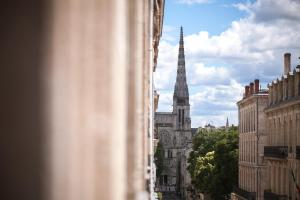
(181, 89)
(181, 59)
(181, 37)
(227, 122)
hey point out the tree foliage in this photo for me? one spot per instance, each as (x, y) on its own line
(204, 168)
(213, 163)
(159, 159)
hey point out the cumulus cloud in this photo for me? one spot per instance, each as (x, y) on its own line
(166, 72)
(221, 97)
(272, 10)
(199, 74)
(165, 101)
(216, 102)
(218, 66)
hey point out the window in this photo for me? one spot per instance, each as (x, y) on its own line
(165, 179)
(170, 153)
(182, 117)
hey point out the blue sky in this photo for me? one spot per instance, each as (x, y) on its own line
(228, 43)
(214, 16)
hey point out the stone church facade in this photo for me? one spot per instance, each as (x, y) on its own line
(174, 133)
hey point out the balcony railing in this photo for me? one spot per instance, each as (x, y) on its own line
(243, 193)
(298, 152)
(268, 195)
(276, 151)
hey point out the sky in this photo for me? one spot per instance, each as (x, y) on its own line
(228, 44)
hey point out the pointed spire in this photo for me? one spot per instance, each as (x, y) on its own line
(181, 59)
(181, 37)
(181, 88)
(227, 122)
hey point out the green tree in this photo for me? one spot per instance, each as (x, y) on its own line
(159, 159)
(203, 142)
(213, 163)
(203, 173)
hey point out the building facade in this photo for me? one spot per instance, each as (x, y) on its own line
(77, 102)
(252, 138)
(282, 152)
(269, 139)
(174, 132)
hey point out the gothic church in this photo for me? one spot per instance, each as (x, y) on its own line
(174, 132)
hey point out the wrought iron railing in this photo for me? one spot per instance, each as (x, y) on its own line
(276, 151)
(268, 195)
(243, 193)
(298, 152)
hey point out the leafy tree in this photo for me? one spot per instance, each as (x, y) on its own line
(204, 169)
(159, 159)
(203, 142)
(213, 163)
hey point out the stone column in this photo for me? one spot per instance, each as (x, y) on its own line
(86, 84)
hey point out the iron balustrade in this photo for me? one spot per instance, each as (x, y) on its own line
(298, 152)
(276, 151)
(244, 193)
(268, 195)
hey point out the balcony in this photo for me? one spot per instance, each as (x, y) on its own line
(244, 193)
(298, 152)
(268, 195)
(276, 151)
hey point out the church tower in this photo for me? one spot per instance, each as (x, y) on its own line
(174, 133)
(181, 105)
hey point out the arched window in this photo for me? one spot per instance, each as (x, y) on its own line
(182, 117)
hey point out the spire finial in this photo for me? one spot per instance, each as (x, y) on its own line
(181, 36)
(181, 44)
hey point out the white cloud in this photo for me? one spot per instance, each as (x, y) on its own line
(166, 72)
(216, 98)
(198, 73)
(218, 66)
(165, 101)
(189, 2)
(271, 10)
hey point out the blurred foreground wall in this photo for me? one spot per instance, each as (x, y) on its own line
(76, 98)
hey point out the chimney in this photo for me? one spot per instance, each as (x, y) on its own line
(251, 88)
(287, 63)
(256, 86)
(246, 91)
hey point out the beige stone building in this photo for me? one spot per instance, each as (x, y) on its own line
(269, 126)
(252, 138)
(77, 98)
(282, 152)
